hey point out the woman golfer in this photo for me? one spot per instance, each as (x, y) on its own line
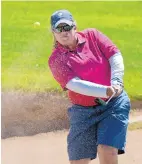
(90, 67)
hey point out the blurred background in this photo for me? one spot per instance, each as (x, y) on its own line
(32, 101)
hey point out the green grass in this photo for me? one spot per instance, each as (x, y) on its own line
(25, 49)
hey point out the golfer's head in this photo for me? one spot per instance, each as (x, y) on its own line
(63, 26)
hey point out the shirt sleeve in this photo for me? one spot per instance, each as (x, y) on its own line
(107, 47)
(60, 71)
(117, 69)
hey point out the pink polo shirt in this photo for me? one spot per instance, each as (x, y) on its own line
(88, 62)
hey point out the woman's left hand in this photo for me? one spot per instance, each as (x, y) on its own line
(118, 89)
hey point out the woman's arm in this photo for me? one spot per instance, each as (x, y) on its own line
(96, 90)
(117, 69)
(89, 88)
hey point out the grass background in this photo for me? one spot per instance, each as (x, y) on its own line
(25, 49)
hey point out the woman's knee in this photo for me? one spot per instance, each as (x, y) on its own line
(82, 161)
(107, 149)
(107, 154)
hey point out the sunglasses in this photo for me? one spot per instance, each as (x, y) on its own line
(63, 28)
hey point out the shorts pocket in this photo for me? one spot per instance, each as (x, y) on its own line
(121, 109)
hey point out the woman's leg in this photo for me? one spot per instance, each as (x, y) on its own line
(82, 161)
(112, 130)
(107, 154)
(81, 140)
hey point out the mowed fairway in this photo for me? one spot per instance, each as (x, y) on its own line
(25, 48)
